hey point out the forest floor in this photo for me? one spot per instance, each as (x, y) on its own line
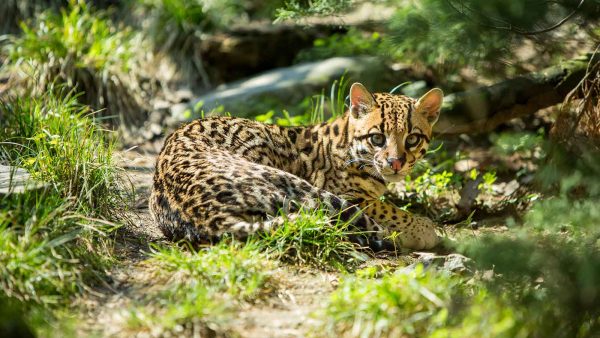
(288, 311)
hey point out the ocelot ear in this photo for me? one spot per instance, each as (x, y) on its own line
(361, 101)
(430, 104)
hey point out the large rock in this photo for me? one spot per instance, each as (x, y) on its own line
(285, 87)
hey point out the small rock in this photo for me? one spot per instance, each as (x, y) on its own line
(181, 112)
(161, 105)
(456, 263)
(465, 165)
(506, 189)
(155, 128)
(183, 95)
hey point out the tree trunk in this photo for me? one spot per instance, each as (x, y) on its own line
(483, 109)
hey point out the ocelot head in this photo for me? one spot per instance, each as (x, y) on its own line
(391, 132)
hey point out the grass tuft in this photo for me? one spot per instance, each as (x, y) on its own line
(195, 291)
(311, 238)
(405, 303)
(82, 48)
(48, 252)
(55, 239)
(239, 270)
(57, 141)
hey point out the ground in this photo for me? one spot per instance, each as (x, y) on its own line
(287, 312)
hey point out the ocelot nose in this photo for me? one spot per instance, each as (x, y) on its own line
(395, 163)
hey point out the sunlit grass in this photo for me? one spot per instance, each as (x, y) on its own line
(199, 289)
(312, 238)
(48, 251)
(56, 237)
(80, 47)
(404, 303)
(240, 270)
(57, 141)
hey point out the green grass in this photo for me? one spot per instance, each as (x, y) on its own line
(81, 48)
(404, 303)
(313, 239)
(200, 290)
(240, 270)
(47, 250)
(56, 240)
(57, 141)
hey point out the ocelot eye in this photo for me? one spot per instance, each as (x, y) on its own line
(378, 140)
(412, 140)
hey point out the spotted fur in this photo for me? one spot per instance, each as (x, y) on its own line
(226, 175)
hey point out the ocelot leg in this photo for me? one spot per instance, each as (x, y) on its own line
(412, 231)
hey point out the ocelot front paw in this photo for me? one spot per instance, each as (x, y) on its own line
(420, 233)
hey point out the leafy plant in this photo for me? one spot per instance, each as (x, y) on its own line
(351, 43)
(449, 35)
(297, 9)
(524, 143)
(553, 279)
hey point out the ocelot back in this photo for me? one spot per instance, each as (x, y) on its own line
(227, 175)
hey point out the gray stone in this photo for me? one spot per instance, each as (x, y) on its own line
(14, 180)
(183, 95)
(465, 165)
(181, 112)
(288, 85)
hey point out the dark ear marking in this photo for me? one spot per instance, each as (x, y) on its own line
(430, 104)
(361, 100)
